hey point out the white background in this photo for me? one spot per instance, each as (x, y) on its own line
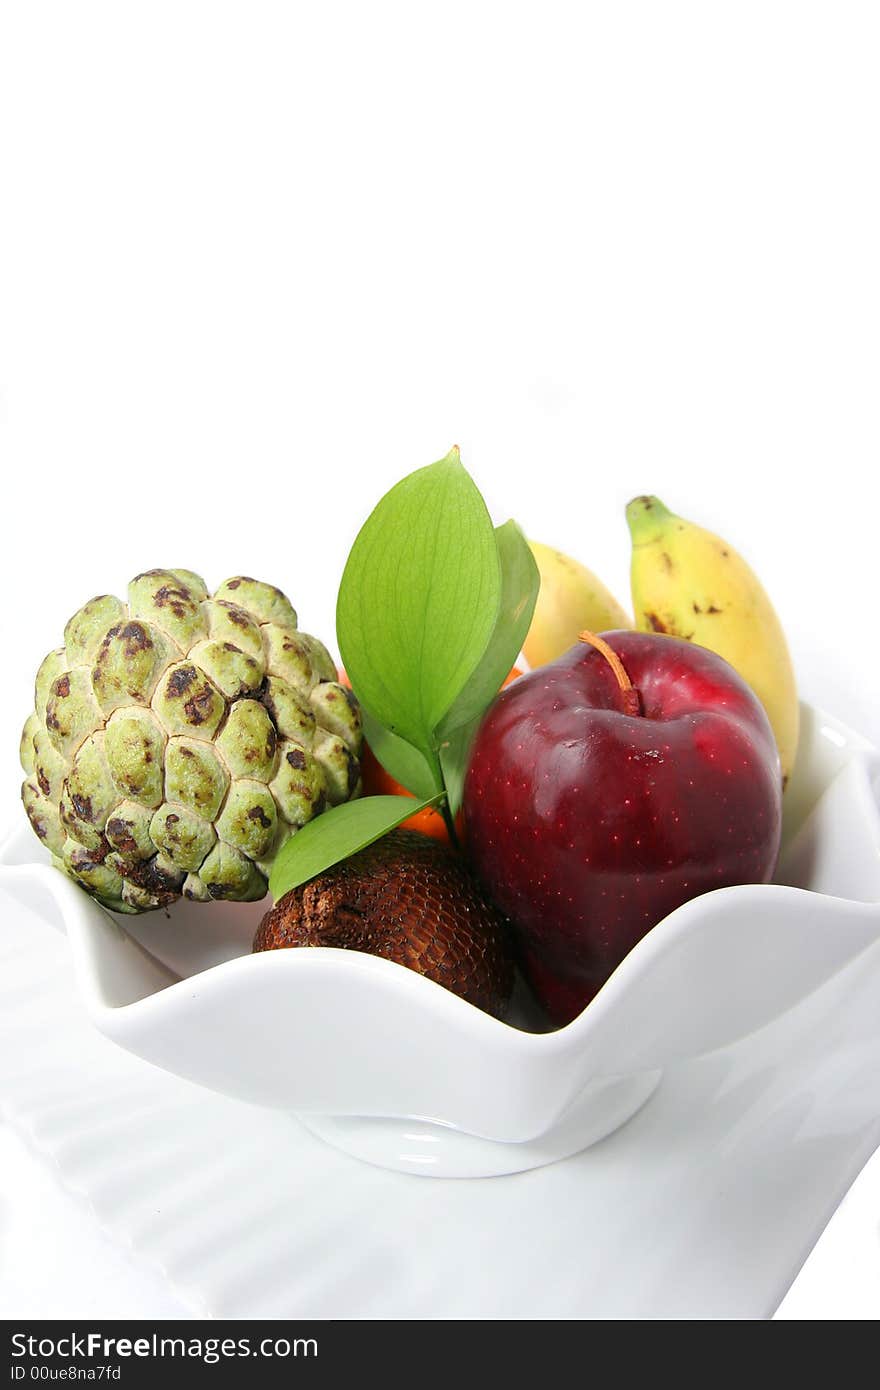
(259, 260)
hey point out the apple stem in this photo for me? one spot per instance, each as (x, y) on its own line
(630, 696)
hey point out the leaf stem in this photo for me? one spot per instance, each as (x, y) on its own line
(450, 823)
(443, 807)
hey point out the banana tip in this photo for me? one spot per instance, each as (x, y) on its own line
(646, 511)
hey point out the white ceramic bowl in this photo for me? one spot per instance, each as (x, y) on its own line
(392, 1067)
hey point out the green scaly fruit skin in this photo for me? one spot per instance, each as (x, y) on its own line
(177, 739)
(690, 583)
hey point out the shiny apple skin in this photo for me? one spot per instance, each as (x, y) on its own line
(588, 826)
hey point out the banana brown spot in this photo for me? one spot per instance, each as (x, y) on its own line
(656, 623)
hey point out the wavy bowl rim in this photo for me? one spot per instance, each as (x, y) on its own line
(666, 933)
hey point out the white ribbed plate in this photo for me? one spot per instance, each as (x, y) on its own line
(704, 1205)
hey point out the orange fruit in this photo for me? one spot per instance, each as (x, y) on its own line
(378, 782)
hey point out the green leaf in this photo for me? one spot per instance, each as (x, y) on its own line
(520, 582)
(419, 600)
(335, 835)
(405, 763)
(454, 758)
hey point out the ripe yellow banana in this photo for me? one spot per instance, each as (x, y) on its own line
(570, 599)
(690, 583)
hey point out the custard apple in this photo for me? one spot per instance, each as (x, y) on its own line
(178, 739)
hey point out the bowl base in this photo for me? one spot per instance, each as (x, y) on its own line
(433, 1150)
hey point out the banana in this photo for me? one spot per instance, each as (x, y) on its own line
(570, 599)
(689, 583)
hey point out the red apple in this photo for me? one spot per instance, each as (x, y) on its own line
(592, 810)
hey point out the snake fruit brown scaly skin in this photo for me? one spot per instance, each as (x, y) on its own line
(408, 899)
